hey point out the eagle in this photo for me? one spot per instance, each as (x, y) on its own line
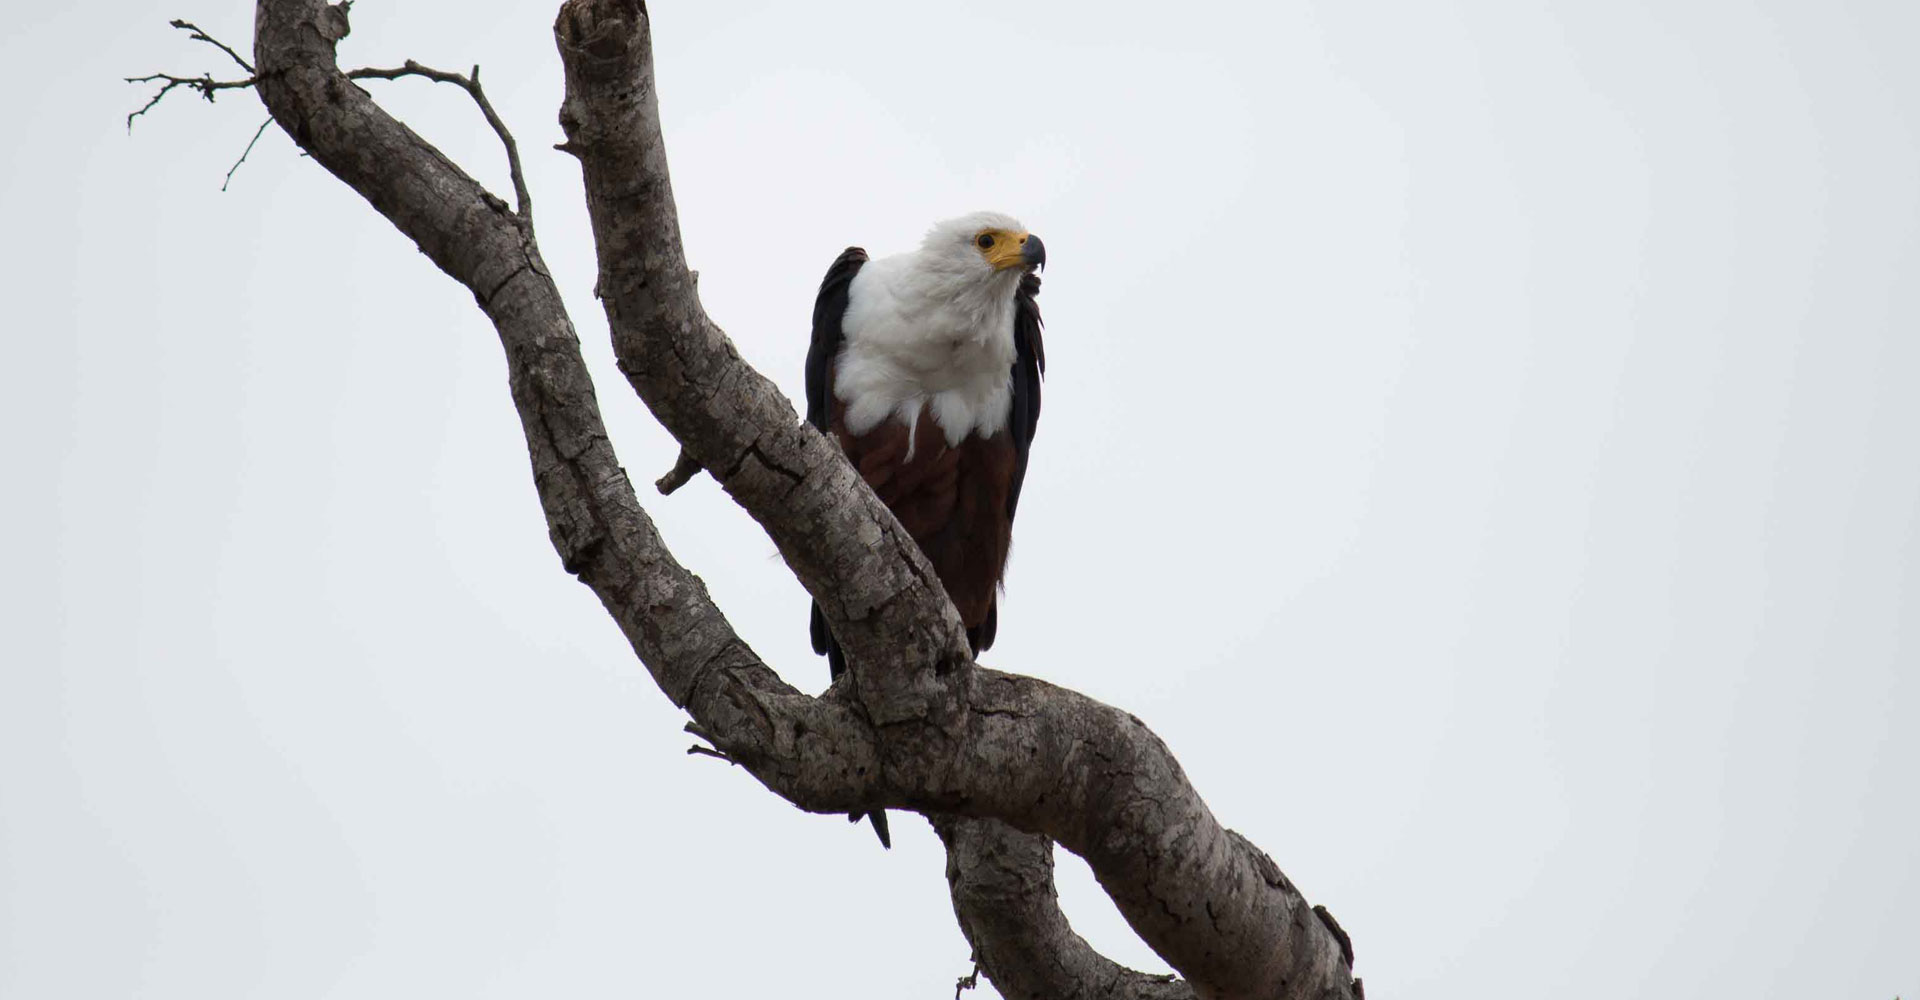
(925, 367)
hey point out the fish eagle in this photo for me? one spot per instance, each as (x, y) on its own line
(925, 368)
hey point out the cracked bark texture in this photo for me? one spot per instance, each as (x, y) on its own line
(1003, 893)
(914, 725)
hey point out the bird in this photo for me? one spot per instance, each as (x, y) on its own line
(925, 368)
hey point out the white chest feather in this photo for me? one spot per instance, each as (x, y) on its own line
(919, 339)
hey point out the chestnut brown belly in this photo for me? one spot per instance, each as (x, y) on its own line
(951, 499)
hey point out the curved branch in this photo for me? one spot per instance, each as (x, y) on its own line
(196, 33)
(594, 520)
(951, 738)
(887, 608)
(523, 201)
(920, 728)
(1001, 881)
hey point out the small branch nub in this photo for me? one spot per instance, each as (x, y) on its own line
(684, 469)
(968, 981)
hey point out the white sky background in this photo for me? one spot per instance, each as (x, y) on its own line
(1481, 439)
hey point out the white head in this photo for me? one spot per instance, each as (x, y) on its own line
(983, 244)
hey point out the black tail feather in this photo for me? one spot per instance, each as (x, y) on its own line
(823, 642)
(879, 817)
(980, 636)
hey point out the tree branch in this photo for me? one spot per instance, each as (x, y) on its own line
(194, 31)
(257, 133)
(206, 85)
(887, 608)
(684, 469)
(951, 738)
(917, 726)
(1001, 881)
(817, 752)
(523, 201)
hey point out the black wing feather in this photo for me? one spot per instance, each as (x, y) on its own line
(829, 309)
(1029, 364)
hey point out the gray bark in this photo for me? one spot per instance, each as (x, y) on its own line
(914, 725)
(1001, 881)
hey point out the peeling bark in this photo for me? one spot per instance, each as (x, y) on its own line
(914, 725)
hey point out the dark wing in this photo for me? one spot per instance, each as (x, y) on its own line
(1029, 363)
(829, 308)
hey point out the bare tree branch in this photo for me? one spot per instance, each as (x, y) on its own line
(257, 133)
(194, 31)
(915, 725)
(594, 520)
(205, 85)
(951, 738)
(888, 610)
(471, 84)
(1003, 894)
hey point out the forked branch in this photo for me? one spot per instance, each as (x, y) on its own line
(914, 724)
(523, 202)
(194, 32)
(205, 85)
(208, 87)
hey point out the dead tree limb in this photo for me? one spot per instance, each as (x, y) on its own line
(523, 202)
(1090, 777)
(195, 32)
(915, 725)
(257, 133)
(206, 86)
(1003, 893)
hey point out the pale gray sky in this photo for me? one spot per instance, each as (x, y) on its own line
(1481, 439)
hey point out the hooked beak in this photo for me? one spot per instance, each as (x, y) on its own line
(1033, 253)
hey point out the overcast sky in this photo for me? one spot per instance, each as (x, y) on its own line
(1481, 438)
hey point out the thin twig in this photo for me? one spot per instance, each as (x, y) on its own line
(703, 751)
(967, 982)
(684, 469)
(206, 85)
(243, 153)
(471, 84)
(201, 36)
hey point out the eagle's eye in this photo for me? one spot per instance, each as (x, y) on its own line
(985, 240)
